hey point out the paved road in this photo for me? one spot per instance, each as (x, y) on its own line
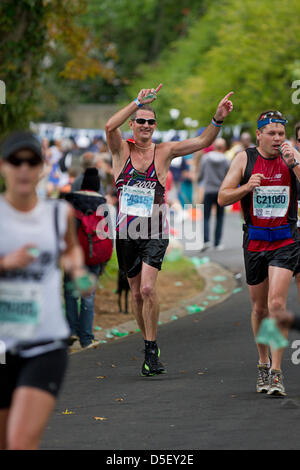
(206, 401)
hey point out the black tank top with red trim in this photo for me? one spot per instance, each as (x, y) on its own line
(273, 206)
(141, 203)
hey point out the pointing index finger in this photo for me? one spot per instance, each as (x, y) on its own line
(228, 95)
(158, 88)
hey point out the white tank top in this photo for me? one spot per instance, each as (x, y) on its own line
(31, 298)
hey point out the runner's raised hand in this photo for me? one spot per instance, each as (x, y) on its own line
(147, 95)
(224, 108)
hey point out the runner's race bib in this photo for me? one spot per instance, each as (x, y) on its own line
(271, 201)
(136, 200)
(20, 310)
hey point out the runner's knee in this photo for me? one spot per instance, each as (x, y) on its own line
(276, 305)
(147, 291)
(260, 312)
(137, 296)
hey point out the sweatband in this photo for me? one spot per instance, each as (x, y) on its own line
(138, 103)
(216, 125)
(264, 122)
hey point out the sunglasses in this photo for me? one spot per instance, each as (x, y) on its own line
(272, 113)
(151, 122)
(298, 140)
(16, 161)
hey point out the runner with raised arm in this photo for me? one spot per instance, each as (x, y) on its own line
(140, 170)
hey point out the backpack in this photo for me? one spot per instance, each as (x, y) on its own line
(93, 236)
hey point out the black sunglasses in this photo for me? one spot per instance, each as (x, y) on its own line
(16, 161)
(298, 139)
(151, 122)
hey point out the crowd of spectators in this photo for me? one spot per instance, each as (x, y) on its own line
(191, 180)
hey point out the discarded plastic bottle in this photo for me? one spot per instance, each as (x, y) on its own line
(194, 308)
(81, 284)
(270, 335)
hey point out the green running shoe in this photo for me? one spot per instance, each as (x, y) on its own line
(152, 365)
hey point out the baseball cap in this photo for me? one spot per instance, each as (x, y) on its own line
(20, 140)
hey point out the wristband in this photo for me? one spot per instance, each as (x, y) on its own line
(293, 164)
(217, 122)
(216, 125)
(138, 103)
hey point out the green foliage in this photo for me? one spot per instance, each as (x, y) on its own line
(126, 34)
(31, 34)
(177, 64)
(254, 57)
(22, 45)
(248, 47)
(55, 52)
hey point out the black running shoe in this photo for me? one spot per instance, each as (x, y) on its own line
(152, 365)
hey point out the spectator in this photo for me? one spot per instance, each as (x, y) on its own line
(182, 175)
(246, 140)
(72, 175)
(96, 145)
(235, 147)
(54, 154)
(187, 178)
(81, 323)
(103, 164)
(199, 194)
(213, 168)
(87, 160)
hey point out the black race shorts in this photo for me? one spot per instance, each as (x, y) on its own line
(45, 372)
(132, 253)
(297, 270)
(257, 263)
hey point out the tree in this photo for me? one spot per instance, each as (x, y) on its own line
(30, 33)
(177, 63)
(246, 47)
(128, 33)
(255, 55)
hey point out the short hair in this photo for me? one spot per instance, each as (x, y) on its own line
(144, 107)
(273, 114)
(297, 129)
(87, 160)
